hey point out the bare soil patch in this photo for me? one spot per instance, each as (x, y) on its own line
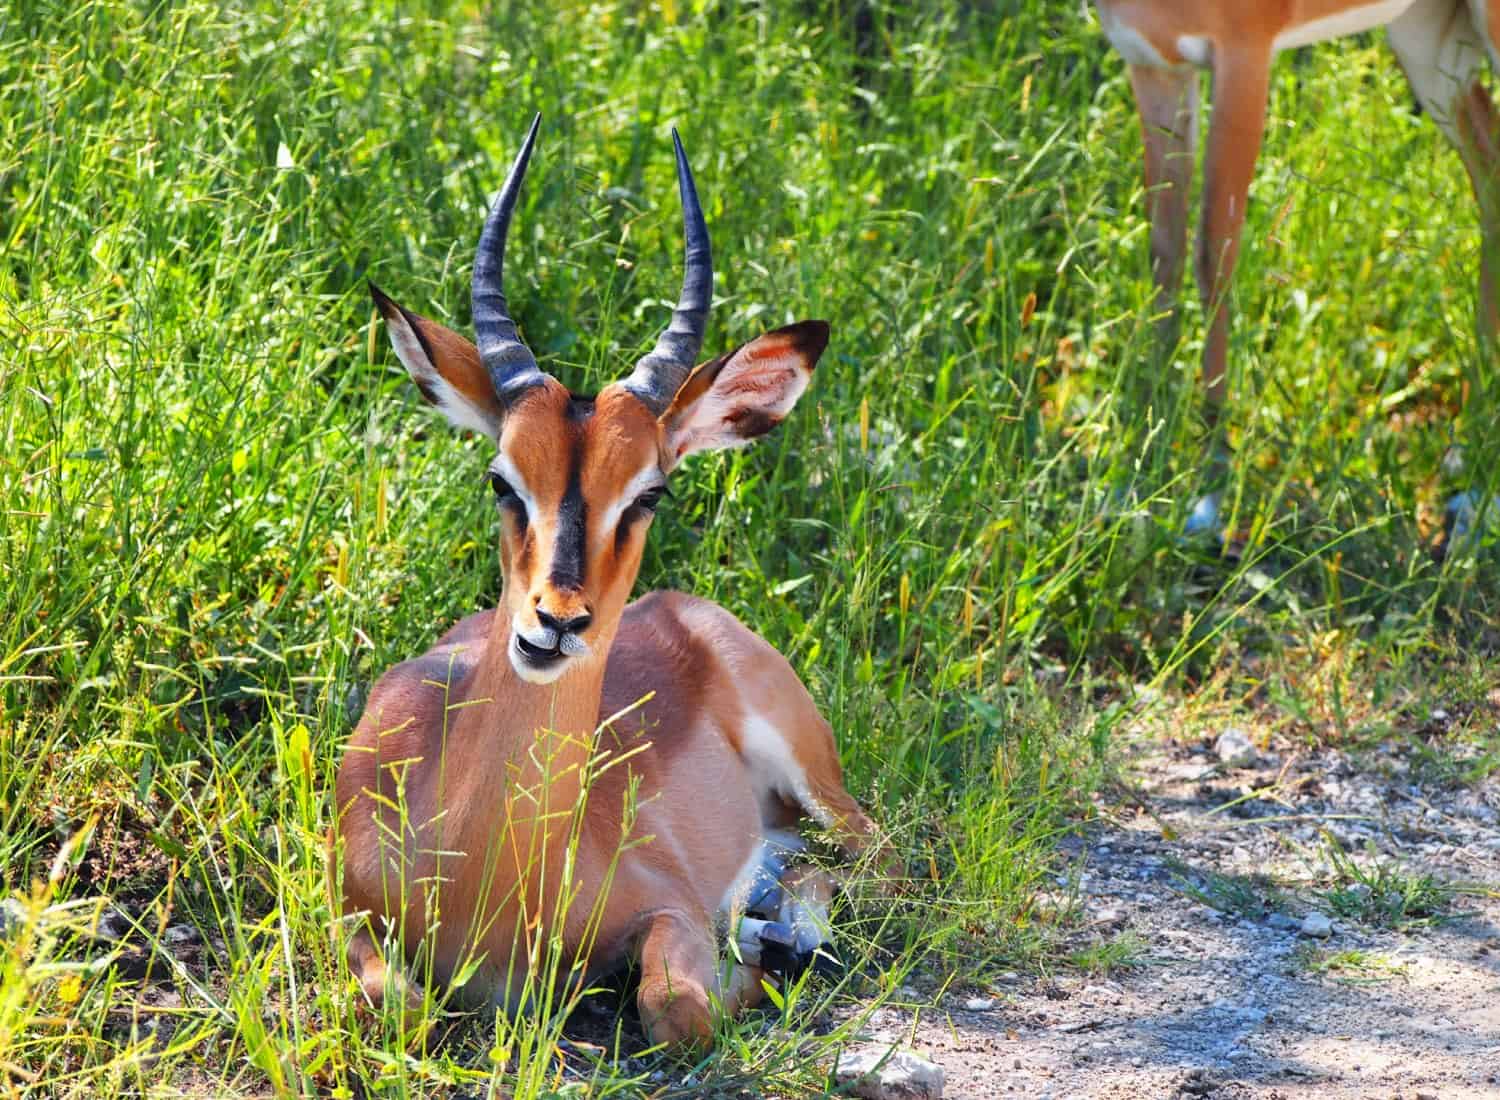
(1201, 879)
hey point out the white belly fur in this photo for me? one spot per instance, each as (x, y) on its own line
(1352, 20)
(1131, 44)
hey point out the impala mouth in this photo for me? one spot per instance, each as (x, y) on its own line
(539, 656)
(542, 655)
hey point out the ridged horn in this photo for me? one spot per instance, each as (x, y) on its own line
(511, 366)
(658, 374)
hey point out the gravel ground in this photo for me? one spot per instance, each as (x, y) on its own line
(1236, 999)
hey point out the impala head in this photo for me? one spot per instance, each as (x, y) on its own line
(577, 479)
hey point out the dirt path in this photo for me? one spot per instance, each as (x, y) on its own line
(1233, 998)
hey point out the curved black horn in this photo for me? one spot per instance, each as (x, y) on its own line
(511, 365)
(658, 375)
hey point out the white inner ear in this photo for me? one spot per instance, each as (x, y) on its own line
(459, 410)
(746, 385)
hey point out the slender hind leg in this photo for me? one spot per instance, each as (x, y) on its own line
(792, 756)
(1479, 140)
(1167, 100)
(1240, 86)
(824, 799)
(1441, 45)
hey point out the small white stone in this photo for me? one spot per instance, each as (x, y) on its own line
(903, 1076)
(979, 1004)
(1235, 749)
(1317, 925)
(12, 917)
(179, 934)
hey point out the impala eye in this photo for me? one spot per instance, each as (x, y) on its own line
(504, 494)
(648, 500)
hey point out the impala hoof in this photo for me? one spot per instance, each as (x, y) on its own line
(1463, 525)
(1204, 518)
(677, 1017)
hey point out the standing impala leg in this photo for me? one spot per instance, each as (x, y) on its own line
(1441, 47)
(1479, 139)
(1240, 83)
(1167, 99)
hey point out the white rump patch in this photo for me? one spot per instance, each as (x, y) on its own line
(773, 768)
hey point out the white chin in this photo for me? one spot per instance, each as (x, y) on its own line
(537, 675)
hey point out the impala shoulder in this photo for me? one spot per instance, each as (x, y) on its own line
(410, 696)
(470, 632)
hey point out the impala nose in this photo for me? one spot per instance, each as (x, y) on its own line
(576, 625)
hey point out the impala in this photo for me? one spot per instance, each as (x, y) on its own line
(1441, 44)
(457, 790)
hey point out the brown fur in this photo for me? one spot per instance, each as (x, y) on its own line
(1241, 37)
(488, 766)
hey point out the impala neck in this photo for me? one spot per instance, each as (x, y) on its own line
(528, 744)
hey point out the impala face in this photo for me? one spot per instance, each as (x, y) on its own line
(577, 479)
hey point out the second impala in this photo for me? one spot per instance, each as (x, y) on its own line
(1441, 44)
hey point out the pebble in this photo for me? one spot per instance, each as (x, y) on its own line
(12, 916)
(1235, 749)
(903, 1076)
(1317, 925)
(180, 934)
(113, 925)
(979, 1004)
(1282, 922)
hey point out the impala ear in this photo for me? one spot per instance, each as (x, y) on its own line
(736, 398)
(445, 367)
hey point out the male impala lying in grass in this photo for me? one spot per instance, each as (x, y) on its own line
(456, 792)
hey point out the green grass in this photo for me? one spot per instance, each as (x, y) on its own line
(1104, 957)
(225, 510)
(1351, 965)
(1251, 896)
(1383, 893)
